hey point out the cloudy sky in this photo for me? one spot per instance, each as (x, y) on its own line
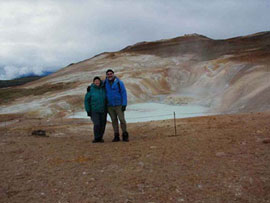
(37, 36)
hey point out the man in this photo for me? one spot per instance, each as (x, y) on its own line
(117, 103)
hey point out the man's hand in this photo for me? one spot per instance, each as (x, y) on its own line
(89, 113)
(124, 108)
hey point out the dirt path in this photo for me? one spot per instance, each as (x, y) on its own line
(212, 159)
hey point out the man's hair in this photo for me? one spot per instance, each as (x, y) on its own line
(109, 70)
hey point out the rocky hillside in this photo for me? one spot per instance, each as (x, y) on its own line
(230, 76)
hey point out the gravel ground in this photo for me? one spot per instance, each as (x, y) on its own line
(210, 159)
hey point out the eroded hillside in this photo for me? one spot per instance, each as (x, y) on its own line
(228, 76)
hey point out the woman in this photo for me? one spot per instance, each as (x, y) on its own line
(95, 106)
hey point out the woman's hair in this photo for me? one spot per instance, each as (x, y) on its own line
(96, 78)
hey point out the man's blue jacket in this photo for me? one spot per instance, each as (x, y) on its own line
(116, 93)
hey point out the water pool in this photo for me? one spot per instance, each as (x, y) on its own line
(155, 111)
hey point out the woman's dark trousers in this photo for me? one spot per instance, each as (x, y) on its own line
(99, 120)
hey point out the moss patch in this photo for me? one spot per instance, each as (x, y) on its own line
(10, 94)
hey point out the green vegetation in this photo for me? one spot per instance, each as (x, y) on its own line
(18, 81)
(12, 93)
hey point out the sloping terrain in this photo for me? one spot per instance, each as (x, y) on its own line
(228, 76)
(211, 159)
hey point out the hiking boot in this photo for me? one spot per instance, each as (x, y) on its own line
(101, 140)
(125, 137)
(95, 141)
(116, 137)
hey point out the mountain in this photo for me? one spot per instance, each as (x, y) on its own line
(18, 81)
(23, 79)
(228, 76)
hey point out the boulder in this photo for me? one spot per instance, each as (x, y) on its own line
(41, 133)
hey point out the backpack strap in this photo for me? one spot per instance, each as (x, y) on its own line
(119, 86)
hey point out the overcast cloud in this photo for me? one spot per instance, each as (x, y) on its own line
(43, 35)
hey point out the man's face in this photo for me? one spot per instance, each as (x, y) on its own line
(110, 75)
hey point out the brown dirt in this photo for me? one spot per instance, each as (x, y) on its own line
(212, 159)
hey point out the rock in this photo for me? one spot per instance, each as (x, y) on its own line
(141, 164)
(20, 160)
(251, 180)
(220, 154)
(259, 132)
(41, 133)
(266, 141)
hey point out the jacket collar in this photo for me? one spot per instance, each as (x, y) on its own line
(114, 81)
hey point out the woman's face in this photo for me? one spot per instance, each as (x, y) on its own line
(97, 82)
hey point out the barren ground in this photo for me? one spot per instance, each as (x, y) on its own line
(212, 159)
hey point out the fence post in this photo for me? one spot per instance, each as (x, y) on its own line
(174, 124)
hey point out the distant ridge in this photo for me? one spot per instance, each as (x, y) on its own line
(22, 80)
(205, 48)
(140, 46)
